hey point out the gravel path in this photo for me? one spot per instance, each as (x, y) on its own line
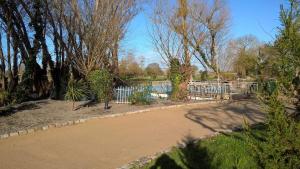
(112, 142)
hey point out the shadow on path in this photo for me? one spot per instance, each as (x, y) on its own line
(226, 115)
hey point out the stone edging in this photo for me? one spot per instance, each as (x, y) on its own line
(75, 122)
(147, 159)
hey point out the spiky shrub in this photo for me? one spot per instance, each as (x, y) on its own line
(279, 147)
(76, 91)
(101, 82)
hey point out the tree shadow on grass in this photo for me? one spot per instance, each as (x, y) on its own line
(191, 155)
(165, 162)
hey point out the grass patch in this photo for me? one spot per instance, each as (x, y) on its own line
(226, 151)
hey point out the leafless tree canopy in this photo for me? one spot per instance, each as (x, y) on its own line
(165, 40)
(204, 28)
(54, 36)
(93, 28)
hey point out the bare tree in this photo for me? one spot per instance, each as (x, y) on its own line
(124, 12)
(94, 31)
(165, 40)
(195, 27)
(202, 25)
(208, 27)
(227, 56)
(233, 47)
(83, 34)
(169, 36)
(245, 53)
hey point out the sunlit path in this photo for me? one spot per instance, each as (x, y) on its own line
(113, 142)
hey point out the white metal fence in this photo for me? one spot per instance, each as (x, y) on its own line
(196, 92)
(208, 91)
(122, 94)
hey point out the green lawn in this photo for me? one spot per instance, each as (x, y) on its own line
(226, 151)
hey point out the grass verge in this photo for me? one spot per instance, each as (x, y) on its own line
(226, 151)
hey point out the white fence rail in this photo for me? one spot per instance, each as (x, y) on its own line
(208, 91)
(196, 92)
(122, 94)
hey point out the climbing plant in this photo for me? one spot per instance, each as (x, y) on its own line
(176, 79)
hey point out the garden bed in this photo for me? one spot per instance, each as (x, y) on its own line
(46, 112)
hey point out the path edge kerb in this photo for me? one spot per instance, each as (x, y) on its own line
(83, 120)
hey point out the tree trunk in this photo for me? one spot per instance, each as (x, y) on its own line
(115, 61)
(186, 68)
(8, 45)
(2, 68)
(15, 65)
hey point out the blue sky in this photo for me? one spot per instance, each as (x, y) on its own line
(256, 17)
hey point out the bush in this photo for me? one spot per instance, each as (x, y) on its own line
(101, 82)
(228, 76)
(76, 91)
(204, 76)
(279, 147)
(153, 70)
(4, 98)
(21, 94)
(141, 97)
(24, 89)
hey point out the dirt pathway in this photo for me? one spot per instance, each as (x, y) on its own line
(113, 142)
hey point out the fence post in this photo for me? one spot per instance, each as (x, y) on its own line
(122, 95)
(117, 94)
